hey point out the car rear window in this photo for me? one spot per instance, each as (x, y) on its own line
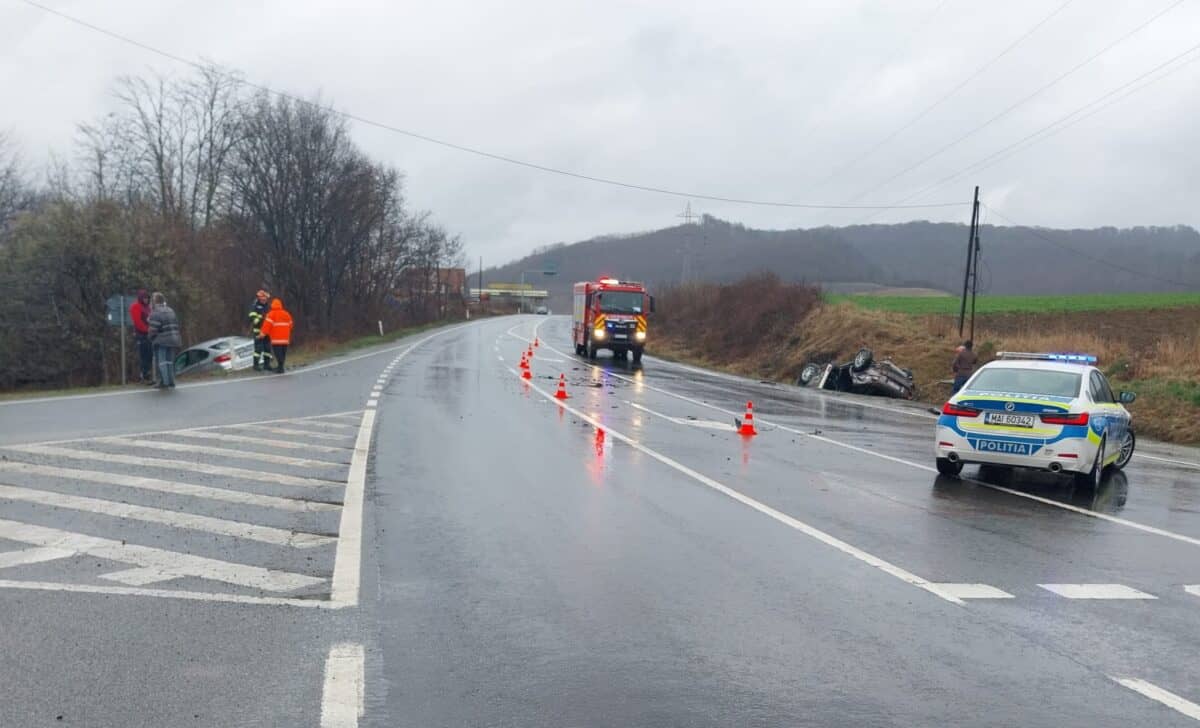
(1027, 381)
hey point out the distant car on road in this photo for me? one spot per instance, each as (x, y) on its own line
(543, 311)
(862, 375)
(1052, 412)
(228, 353)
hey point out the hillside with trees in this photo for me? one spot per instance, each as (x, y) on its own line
(1015, 260)
(206, 191)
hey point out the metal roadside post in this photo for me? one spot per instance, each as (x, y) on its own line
(117, 316)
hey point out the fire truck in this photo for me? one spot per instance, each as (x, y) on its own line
(611, 314)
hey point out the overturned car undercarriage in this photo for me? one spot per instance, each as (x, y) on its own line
(862, 375)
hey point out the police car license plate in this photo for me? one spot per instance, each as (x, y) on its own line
(1003, 418)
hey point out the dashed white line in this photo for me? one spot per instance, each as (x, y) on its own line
(175, 519)
(1193, 589)
(167, 486)
(1096, 591)
(342, 696)
(1166, 697)
(974, 591)
(372, 403)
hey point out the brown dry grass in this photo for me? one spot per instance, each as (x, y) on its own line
(1155, 353)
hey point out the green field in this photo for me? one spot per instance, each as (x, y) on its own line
(1023, 304)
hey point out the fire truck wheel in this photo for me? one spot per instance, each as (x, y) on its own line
(591, 351)
(637, 356)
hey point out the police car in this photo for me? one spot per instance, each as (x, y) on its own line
(1052, 412)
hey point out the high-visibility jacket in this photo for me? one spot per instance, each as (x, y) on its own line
(278, 324)
(258, 312)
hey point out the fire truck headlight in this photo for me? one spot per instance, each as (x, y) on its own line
(598, 333)
(640, 336)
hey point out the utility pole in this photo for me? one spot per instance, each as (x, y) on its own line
(687, 216)
(971, 274)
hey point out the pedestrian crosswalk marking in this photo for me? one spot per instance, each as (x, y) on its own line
(226, 452)
(167, 486)
(137, 577)
(255, 440)
(169, 562)
(1096, 591)
(189, 521)
(149, 462)
(1193, 589)
(35, 555)
(974, 591)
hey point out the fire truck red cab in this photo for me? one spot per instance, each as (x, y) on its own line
(610, 314)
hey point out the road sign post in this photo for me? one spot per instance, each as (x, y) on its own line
(118, 315)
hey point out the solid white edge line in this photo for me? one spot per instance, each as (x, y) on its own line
(343, 694)
(1160, 459)
(1193, 589)
(928, 468)
(795, 523)
(168, 594)
(1157, 694)
(347, 561)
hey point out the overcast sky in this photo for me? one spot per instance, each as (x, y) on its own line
(759, 100)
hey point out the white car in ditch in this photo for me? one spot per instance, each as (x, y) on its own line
(1052, 412)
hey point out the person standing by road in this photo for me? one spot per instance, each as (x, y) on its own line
(262, 346)
(164, 335)
(277, 327)
(139, 313)
(963, 365)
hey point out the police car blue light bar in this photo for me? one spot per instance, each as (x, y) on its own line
(1049, 356)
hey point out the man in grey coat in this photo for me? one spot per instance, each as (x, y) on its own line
(164, 336)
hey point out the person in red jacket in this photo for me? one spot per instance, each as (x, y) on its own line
(139, 313)
(277, 326)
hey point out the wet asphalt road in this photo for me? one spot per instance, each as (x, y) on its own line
(625, 559)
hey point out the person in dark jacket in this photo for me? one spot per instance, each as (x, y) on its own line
(262, 346)
(164, 335)
(963, 365)
(139, 314)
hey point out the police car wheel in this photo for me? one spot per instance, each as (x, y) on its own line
(1127, 446)
(1091, 479)
(946, 467)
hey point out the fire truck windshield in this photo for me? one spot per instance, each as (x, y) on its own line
(620, 302)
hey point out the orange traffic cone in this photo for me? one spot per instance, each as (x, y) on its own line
(524, 362)
(536, 343)
(526, 374)
(747, 427)
(562, 387)
(529, 353)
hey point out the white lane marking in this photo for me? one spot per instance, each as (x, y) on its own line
(175, 519)
(226, 452)
(345, 437)
(138, 576)
(258, 440)
(35, 555)
(343, 694)
(1193, 589)
(239, 380)
(1168, 460)
(170, 562)
(927, 468)
(53, 586)
(706, 424)
(974, 591)
(1154, 692)
(1096, 591)
(240, 473)
(168, 486)
(372, 403)
(795, 523)
(254, 424)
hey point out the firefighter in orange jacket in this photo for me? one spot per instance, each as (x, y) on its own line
(277, 327)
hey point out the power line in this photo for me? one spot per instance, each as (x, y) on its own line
(925, 112)
(461, 147)
(1100, 261)
(938, 152)
(1068, 120)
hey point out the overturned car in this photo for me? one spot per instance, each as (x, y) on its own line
(862, 375)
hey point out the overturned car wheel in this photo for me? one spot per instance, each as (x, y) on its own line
(809, 374)
(863, 359)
